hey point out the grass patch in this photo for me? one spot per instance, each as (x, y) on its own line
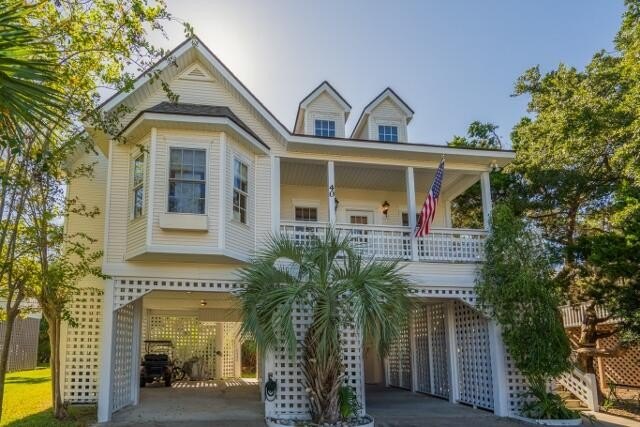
(27, 402)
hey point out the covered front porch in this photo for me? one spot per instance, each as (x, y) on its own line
(378, 206)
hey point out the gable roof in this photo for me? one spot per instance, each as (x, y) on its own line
(171, 58)
(209, 59)
(387, 93)
(325, 86)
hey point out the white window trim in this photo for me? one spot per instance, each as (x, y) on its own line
(133, 157)
(365, 209)
(388, 122)
(207, 165)
(244, 160)
(314, 115)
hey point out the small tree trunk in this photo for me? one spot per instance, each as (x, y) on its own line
(588, 338)
(4, 354)
(59, 411)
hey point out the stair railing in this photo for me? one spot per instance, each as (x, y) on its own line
(582, 385)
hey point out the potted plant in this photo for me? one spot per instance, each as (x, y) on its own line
(516, 288)
(342, 290)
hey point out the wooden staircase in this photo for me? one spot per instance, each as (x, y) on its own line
(569, 398)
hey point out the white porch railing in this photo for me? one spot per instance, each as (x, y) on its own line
(572, 315)
(389, 242)
(583, 386)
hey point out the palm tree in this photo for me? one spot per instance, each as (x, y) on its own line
(341, 288)
(27, 72)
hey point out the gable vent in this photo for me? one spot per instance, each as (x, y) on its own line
(196, 72)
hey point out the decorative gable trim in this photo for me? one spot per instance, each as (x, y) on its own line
(323, 87)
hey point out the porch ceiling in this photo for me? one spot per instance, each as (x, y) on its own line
(184, 300)
(369, 177)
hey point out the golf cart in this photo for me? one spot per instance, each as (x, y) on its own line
(156, 365)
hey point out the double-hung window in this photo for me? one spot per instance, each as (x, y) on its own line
(306, 214)
(325, 128)
(138, 185)
(388, 133)
(240, 190)
(187, 185)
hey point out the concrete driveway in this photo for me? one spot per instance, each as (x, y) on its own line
(391, 407)
(232, 403)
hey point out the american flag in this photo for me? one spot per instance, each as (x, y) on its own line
(428, 211)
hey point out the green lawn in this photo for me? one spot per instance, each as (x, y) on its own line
(27, 402)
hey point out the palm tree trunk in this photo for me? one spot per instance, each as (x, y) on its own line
(323, 378)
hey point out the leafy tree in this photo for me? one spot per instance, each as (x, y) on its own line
(94, 45)
(341, 289)
(578, 158)
(516, 288)
(466, 209)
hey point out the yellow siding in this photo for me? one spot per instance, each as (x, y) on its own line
(137, 228)
(263, 198)
(240, 237)
(216, 94)
(387, 112)
(118, 202)
(351, 199)
(326, 108)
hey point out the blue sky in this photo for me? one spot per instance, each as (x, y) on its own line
(452, 61)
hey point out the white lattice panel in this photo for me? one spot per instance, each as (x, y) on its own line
(448, 292)
(129, 289)
(516, 386)
(399, 360)
(439, 353)
(122, 357)
(231, 347)
(291, 400)
(421, 351)
(82, 349)
(190, 337)
(474, 357)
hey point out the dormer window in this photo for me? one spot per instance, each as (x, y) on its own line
(325, 128)
(388, 133)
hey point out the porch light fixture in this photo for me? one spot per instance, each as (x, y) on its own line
(203, 303)
(385, 208)
(336, 203)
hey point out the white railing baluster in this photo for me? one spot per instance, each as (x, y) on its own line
(387, 242)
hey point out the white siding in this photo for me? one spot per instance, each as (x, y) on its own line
(324, 107)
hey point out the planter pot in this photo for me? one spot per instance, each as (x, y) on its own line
(571, 422)
(366, 421)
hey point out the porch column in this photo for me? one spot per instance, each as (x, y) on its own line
(411, 211)
(485, 187)
(106, 357)
(275, 194)
(331, 185)
(452, 348)
(413, 352)
(136, 351)
(500, 386)
(219, 350)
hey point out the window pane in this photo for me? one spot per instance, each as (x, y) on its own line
(187, 174)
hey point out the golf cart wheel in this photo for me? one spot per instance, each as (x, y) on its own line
(167, 379)
(143, 383)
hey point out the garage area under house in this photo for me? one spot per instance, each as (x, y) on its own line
(213, 370)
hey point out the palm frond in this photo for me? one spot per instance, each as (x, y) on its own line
(27, 73)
